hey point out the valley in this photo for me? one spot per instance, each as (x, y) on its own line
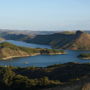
(45, 62)
(44, 44)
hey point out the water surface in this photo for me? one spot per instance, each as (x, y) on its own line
(43, 60)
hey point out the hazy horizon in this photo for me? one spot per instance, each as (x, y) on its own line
(45, 15)
(40, 30)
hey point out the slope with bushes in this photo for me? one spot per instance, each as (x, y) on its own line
(70, 76)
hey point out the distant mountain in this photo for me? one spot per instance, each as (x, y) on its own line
(88, 31)
(22, 34)
(62, 40)
(26, 32)
(74, 41)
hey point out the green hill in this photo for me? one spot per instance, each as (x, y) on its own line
(84, 56)
(8, 50)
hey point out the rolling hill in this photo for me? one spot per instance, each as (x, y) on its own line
(61, 40)
(9, 51)
(79, 40)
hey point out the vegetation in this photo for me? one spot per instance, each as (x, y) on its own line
(65, 40)
(10, 79)
(84, 55)
(8, 51)
(71, 75)
(62, 40)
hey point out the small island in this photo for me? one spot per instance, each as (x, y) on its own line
(9, 51)
(84, 56)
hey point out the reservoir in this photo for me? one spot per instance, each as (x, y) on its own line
(43, 60)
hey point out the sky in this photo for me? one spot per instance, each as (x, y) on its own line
(45, 14)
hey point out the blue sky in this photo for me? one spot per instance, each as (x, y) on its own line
(45, 14)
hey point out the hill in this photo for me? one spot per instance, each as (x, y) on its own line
(62, 40)
(79, 40)
(82, 42)
(8, 51)
(70, 76)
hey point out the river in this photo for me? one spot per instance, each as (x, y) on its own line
(43, 60)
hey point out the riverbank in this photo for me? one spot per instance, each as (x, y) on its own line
(9, 51)
(35, 54)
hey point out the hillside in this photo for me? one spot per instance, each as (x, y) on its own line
(82, 42)
(61, 40)
(22, 34)
(8, 51)
(79, 40)
(70, 76)
(52, 39)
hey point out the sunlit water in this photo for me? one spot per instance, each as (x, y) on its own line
(43, 60)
